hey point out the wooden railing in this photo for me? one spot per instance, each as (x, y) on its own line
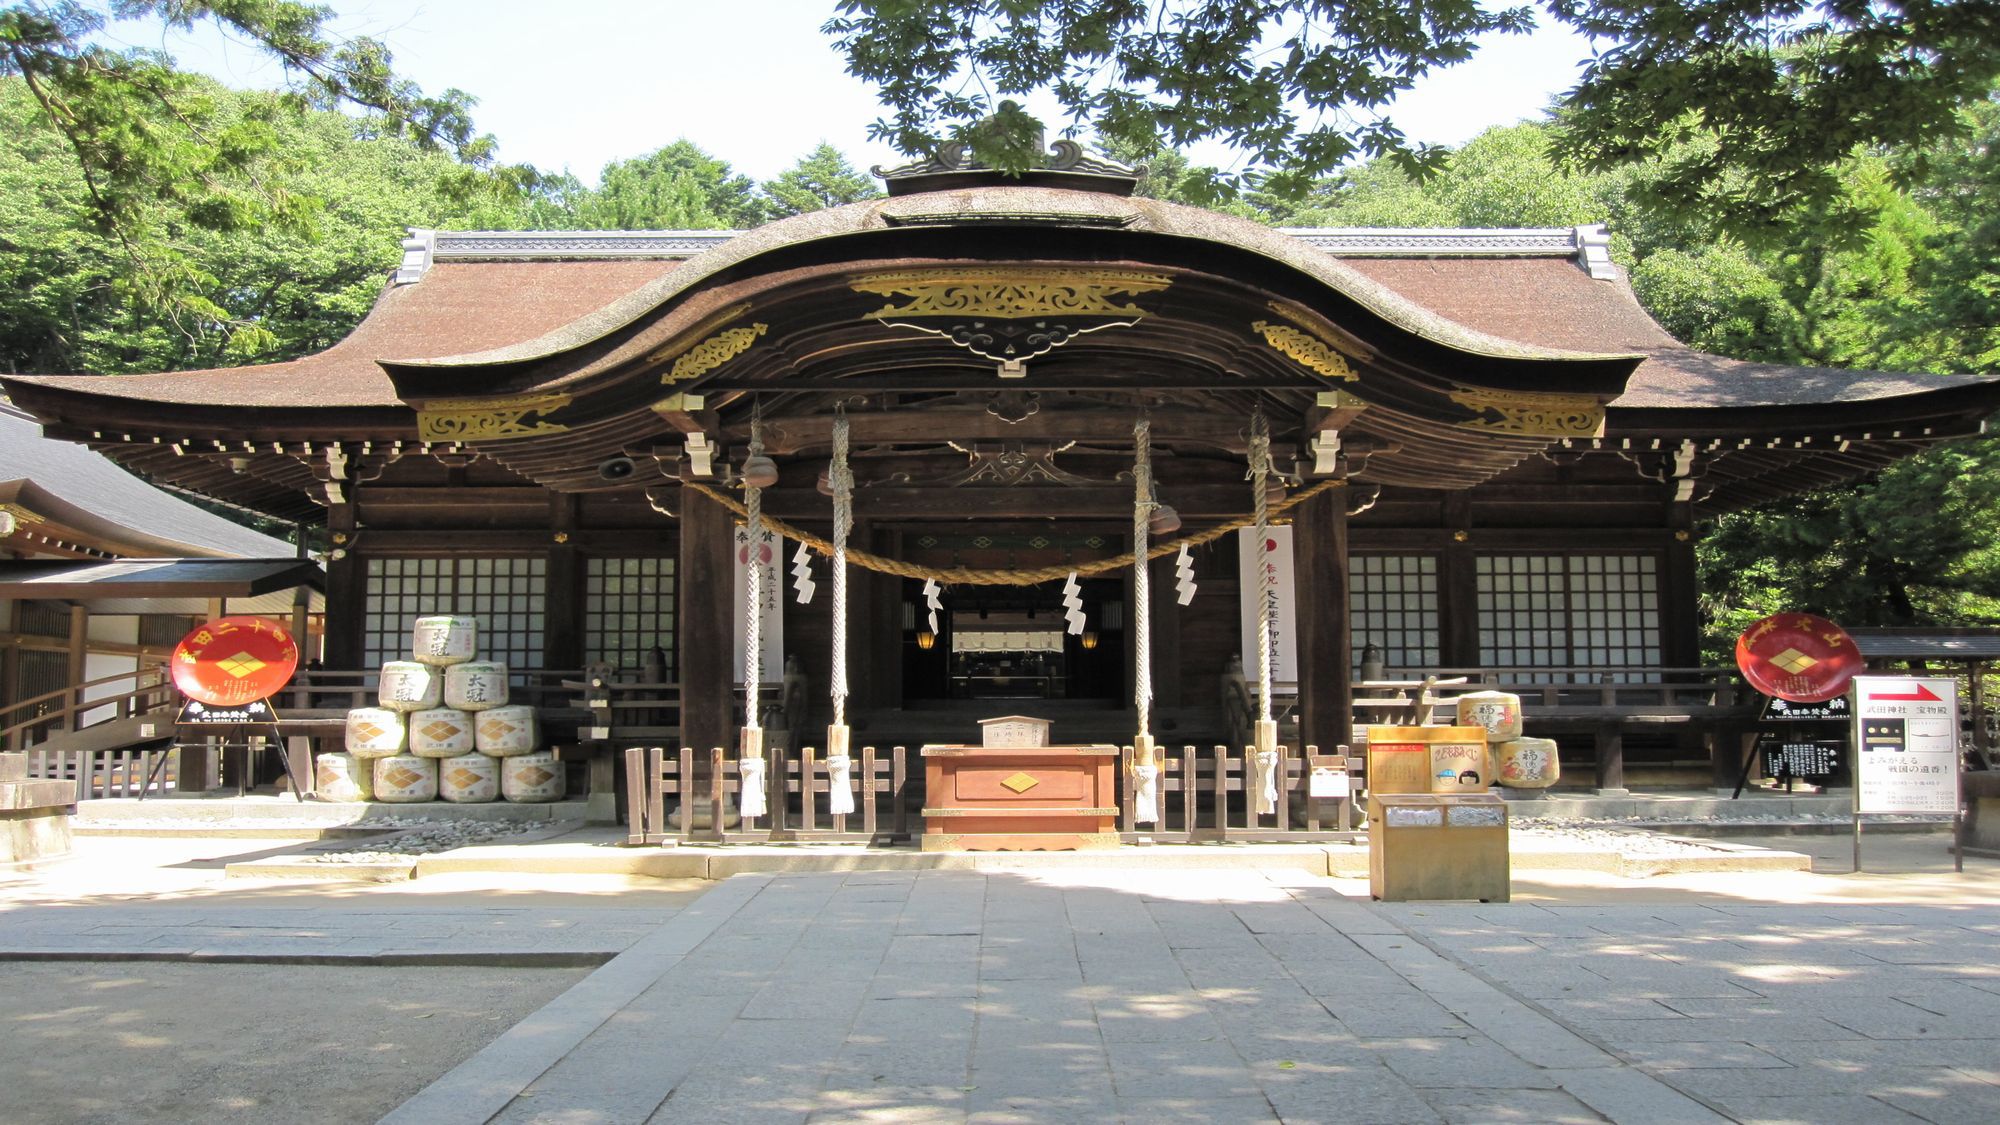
(64, 709)
(1203, 798)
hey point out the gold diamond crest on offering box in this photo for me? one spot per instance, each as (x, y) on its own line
(441, 730)
(1793, 661)
(1021, 782)
(240, 665)
(402, 777)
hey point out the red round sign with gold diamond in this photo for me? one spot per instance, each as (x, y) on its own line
(1798, 657)
(234, 660)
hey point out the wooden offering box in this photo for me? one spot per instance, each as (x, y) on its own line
(1020, 798)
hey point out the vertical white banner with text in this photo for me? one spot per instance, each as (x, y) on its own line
(772, 660)
(1272, 556)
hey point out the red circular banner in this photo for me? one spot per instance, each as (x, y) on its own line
(234, 660)
(1798, 657)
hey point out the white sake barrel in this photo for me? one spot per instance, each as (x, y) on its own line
(445, 639)
(406, 779)
(1527, 763)
(469, 779)
(475, 685)
(506, 731)
(374, 732)
(440, 733)
(343, 777)
(531, 778)
(409, 686)
(1498, 711)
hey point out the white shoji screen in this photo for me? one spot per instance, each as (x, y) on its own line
(508, 596)
(1392, 602)
(1552, 611)
(628, 608)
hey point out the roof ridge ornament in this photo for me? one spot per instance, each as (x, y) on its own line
(1065, 163)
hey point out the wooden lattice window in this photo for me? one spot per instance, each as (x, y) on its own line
(507, 595)
(1569, 611)
(1392, 603)
(628, 610)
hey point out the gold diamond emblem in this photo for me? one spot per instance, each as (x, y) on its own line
(496, 729)
(1020, 782)
(464, 778)
(1793, 661)
(441, 730)
(402, 777)
(534, 775)
(369, 732)
(240, 665)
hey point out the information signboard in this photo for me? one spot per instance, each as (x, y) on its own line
(1906, 739)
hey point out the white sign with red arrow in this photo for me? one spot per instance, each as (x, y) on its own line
(1906, 743)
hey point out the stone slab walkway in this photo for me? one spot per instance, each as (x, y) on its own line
(1150, 996)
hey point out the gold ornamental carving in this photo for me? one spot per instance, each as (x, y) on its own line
(486, 419)
(1535, 415)
(1306, 349)
(713, 352)
(21, 515)
(1011, 292)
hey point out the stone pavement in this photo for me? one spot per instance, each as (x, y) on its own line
(1150, 996)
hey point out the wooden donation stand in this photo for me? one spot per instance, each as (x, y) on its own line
(1024, 797)
(1434, 831)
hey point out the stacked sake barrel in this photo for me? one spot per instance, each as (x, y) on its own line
(1516, 762)
(443, 730)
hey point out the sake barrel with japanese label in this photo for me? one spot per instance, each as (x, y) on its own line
(469, 779)
(1527, 763)
(532, 778)
(445, 639)
(343, 777)
(441, 732)
(408, 686)
(374, 732)
(1498, 711)
(506, 731)
(475, 685)
(405, 779)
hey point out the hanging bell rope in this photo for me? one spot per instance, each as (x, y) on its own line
(1260, 477)
(1142, 585)
(753, 601)
(842, 479)
(975, 576)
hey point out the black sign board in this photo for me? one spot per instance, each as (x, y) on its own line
(1812, 758)
(1835, 710)
(195, 713)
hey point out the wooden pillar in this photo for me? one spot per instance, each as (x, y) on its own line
(1319, 548)
(874, 626)
(1458, 587)
(79, 655)
(562, 633)
(706, 627)
(1680, 620)
(1610, 758)
(346, 592)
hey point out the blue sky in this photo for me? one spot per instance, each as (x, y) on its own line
(577, 83)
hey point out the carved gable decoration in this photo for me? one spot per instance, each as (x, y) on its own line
(485, 419)
(1531, 414)
(1010, 314)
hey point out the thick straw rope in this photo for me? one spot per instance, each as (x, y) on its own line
(1142, 586)
(842, 480)
(974, 576)
(1260, 475)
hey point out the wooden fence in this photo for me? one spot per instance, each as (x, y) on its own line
(1203, 798)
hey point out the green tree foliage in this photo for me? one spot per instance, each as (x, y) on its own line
(678, 187)
(821, 178)
(68, 300)
(1779, 90)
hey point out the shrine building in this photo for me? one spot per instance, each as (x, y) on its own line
(1482, 451)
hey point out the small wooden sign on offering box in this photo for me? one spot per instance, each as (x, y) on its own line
(1009, 731)
(1428, 760)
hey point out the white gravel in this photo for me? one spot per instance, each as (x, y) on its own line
(431, 837)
